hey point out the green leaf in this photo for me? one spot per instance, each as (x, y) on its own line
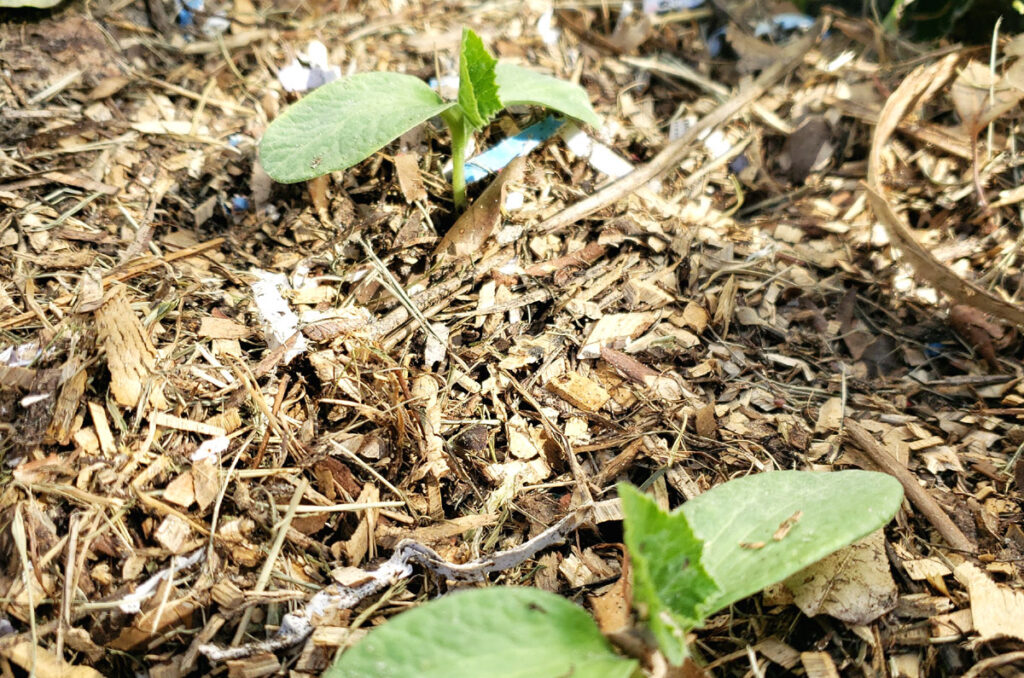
(668, 577)
(754, 531)
(478, 91)
(522, 86)
(344, 122)
(500, 632)
(827, 511)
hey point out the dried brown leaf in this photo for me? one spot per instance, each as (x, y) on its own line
(409, 180)
(471, 231)
(853, 584)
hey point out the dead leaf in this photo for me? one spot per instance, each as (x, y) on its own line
(726, 305)
(212, 327)
(755, 54)
(830, 415)
(108, 87)
(409, 180)
(580, 391)
(181, 490)
(695, 317)
(425, 393)
(131, 357)
(978, 331)
(471, 231)
(809, 148)
(615, 330)
(706, 423)
(612, 608)
(45, 663)
(980, 96)
(853, 584)
(818, 665)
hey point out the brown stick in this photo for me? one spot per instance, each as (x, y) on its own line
(676, 152)
(924, 502)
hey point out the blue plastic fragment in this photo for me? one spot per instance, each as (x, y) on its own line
(239, 203)
(495, 158)
(777, 27)
(662, 6)
(187, 9)
(934, 349)
(714, 41)
(739, 163)
(783, 22)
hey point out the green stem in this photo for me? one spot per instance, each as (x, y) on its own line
(891, 23)
(460, 131)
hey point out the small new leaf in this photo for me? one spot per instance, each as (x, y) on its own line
(478, 89)
(668, 576)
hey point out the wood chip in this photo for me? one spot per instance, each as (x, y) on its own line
(580, 391)
(211, 327)
(615, 330)
(997, 611)
(818, 665)
(131, 358)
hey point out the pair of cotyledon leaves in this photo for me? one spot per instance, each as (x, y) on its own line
(345, 121)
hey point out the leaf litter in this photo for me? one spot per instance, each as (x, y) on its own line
(224, 401)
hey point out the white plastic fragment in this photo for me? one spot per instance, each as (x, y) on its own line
(840, 61)
(599, 156)
(21, 355)
(660, 6)
(33, 398)
(514, 201)
(210, 449)
(300, 276)
(132, 603)
(447, 86)
(214, 23)
(308, 71)
(680, 126)
(280, 324)
(714, 140)
(717, 144)
(546, 28)
(783, 22)
(436, 346)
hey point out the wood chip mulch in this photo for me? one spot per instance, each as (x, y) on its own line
(814, 263)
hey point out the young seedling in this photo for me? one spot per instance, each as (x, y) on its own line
(716, 549)
(348, 120)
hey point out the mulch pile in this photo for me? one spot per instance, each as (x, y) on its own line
(812, 261)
